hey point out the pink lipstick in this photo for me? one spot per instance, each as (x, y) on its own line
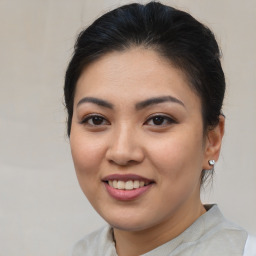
(126, 186)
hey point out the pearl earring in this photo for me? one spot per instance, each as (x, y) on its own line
(211, 162)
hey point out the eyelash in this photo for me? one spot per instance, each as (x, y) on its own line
(90, 117)
(164, 118)
(167, 119)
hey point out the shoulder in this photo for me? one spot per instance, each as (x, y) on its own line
(225, 235)
(100, 242)
(219, 236)
(250, 246)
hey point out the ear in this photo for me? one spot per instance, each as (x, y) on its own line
(213, 143)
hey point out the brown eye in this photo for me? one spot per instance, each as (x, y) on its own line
(160, 120)
(95, 120)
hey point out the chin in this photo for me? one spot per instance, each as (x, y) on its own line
(128, 227)
(129, 222)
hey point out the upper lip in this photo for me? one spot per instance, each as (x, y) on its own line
(126, 177)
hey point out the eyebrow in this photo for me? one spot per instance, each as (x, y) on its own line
(138, 106)
(96, 101)
(158, 100)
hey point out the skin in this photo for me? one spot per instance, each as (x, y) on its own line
(128, 140)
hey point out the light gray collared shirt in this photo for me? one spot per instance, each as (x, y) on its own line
(210, 235)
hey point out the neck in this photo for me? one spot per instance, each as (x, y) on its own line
(139, 242)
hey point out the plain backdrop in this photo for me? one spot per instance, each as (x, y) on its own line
(42, 210)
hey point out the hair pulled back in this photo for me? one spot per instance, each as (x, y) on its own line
(174, 34)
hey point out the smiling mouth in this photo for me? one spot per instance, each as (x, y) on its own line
(127, 181)
(127, 185)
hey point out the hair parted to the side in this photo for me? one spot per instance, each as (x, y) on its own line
(174, 34)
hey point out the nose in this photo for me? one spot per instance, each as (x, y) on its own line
(125, 147)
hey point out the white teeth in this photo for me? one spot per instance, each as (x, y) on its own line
(127, 185)
(120, 184)
(136, 184)
(114, 183)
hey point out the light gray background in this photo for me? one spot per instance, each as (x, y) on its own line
(42, 210)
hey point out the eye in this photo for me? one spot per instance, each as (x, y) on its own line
(160, 120)
(95, 120)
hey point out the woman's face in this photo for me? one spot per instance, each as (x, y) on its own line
(137, 140)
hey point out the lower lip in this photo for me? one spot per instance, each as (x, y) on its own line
(125, 195)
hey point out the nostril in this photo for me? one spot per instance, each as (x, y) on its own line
(124, 149)
(124, 163)
(124, 158)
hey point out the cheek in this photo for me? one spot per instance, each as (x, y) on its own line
(87, 153)
(178, 165)
(178, 156)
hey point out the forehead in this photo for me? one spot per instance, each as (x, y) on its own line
(133, 74)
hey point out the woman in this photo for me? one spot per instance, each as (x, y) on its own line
(144, 93)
